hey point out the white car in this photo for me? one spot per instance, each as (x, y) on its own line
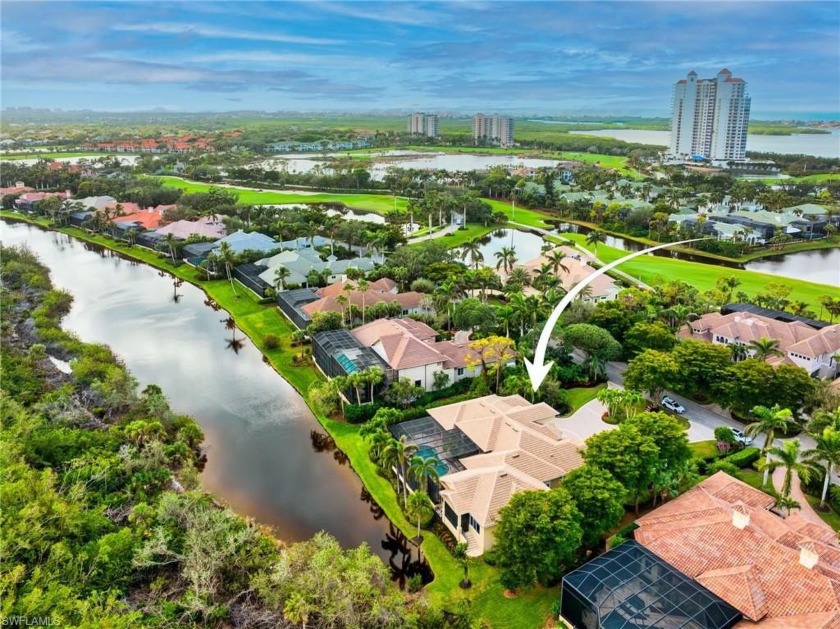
(671, 404)
(740, 437)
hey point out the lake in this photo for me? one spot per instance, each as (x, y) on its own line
(268, 456)
(820, 145)
(527, 245)
(820, 265)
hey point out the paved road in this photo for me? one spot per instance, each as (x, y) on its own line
(449, 229)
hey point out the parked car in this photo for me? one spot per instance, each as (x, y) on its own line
(741, 437)
(671, 404)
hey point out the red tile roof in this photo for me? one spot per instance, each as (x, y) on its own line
(756, 568)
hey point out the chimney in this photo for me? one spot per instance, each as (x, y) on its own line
(740, 517)
(808, 557)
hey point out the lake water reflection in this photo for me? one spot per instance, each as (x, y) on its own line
(268, 456)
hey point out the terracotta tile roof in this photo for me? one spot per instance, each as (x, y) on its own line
(408, 301)
(755, 568)
(149, 219)
(456, 353)
(794, 336)
(404, 351)
(505, 430)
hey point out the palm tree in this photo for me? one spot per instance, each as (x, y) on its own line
(280, 275)
(764, 348)
(472, 250)
(769, 421)
(594, 237)
(374, 376)
(517, 279)
(419, 507)
(727, 285)
(788, 457)
(556, 260)
(823, 419)
(506, 258)
(444, 296)
(228, 258)
(423, 469)
(786, 503)
(398, 453)
(363, 285)
(827, 453)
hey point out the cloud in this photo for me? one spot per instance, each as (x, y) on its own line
(176, 28)
(13, 41)
(388, 12)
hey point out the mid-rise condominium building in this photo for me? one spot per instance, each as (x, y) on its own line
(423, 124)
(493, 129)
(710, 118)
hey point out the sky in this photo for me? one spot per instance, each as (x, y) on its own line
(552, 58)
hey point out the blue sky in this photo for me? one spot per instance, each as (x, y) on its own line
(551, 58)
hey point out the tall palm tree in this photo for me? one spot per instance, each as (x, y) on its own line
(228, 258)
(472, 250)
(769, 420)
(826, 455)
(764, 348)
(444, 296)
(280, 275)
(594, 237)
(517, 279)
(373, 376)
(398, 453)
(419, 507)
(788, 457)
(363, 285)
(823, 419)
(506, 258)
(556, 259)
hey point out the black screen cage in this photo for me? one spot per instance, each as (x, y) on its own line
(629, 587)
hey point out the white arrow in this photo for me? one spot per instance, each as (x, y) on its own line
(538, 370)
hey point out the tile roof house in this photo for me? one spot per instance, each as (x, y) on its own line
(779, 573)
(603, 288)
(240, 241)
(517, 452)
(27, 201)
(141, 219)
(301, 263)
(813, 350)
(409, 348)
(206, 226)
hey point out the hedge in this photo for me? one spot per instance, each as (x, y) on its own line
(360, 413)
(744, 458)
(621, 535)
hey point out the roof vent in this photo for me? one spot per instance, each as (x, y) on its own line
(740, 517)
(808, 556)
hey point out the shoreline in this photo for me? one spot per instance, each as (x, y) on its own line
(443, 590)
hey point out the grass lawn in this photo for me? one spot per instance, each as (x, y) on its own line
(652, 269)
(751, 477)
(378, 203)
(9, 156)
(703, 449)
(829, 517)
(473, 231)
(521, 216)
(581, 395)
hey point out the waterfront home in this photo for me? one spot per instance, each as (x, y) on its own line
(409, 349)
(96, 203)
(488, 449)
(29, 200)
(301, 263)
(602, 288)
(815, 350)
(206, 226)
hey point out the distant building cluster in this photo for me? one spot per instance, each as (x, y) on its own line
(710, 118)
(424, 124)
(320, 145)
(493, 130)
(169, 144)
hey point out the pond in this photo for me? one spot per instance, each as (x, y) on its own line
(268, 456)
(821, 265)
(526, 244)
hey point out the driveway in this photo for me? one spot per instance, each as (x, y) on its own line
(584, 422)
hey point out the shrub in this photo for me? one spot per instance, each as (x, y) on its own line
(723, 434)
(723, 466)
(360, 413)
(414, 583)
(744, 458)
(271, 341)
(834, 497)
(489, 558)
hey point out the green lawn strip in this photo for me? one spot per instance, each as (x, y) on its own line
(794, 248)
(378, 203)
(752, 478)
(703, 449)
(16, 156)
(522, 216)
(829, 517)
(823, 178)
(652, 269)
(473, 231)
(582, 395)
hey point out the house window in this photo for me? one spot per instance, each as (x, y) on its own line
(450, 515)
(459, 371)
(475, 524)
(418, 383)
